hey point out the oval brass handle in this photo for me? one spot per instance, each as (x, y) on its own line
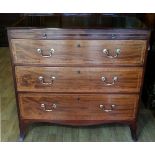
(40, 51)
(104, 79)
(43, 106)
(107, 53)
(41, 79)
(107, 110)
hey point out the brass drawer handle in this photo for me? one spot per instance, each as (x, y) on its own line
(107, 53)
(107, 110)
(40, 51)
(43, 106)
(41, 79)
(104, 79)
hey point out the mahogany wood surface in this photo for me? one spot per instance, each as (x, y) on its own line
(78, 52)
(76, 79)
(59, 33)
(77, 106)
(72, 83)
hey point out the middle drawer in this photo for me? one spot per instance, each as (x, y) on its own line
(79, 79)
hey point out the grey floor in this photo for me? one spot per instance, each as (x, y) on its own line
(46, 132)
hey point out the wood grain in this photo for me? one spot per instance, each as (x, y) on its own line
(75, 79)
(77, 67)
(59, 133)
(78, 52)
(77, 106)
(74, 34)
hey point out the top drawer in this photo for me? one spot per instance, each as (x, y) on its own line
(76, 34)
(78, 52)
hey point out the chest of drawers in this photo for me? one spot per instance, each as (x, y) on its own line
(78, 76)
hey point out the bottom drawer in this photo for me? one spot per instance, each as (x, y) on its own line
(77, 106)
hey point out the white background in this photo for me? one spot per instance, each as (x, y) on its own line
(89, 6)
(77, 6)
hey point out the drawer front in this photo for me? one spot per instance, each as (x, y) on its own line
(72, 34)
(78, 52)
(77, 107)
(79, 79)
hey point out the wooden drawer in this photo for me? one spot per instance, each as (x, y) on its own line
(73, 34)
(79, 79)
(78, 52)
(77, 107)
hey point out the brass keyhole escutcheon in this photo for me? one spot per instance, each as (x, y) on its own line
(78, 72)
(78, 99)
(78, 45)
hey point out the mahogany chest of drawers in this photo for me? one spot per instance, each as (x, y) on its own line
(78, 76)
